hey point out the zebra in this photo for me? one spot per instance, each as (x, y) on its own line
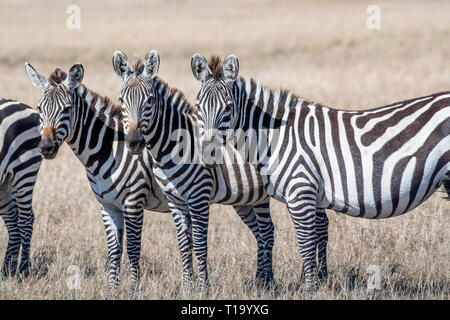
(156, 112)
(20, 161)
(374, 164)
(123, 184)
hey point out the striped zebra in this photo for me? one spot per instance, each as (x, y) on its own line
(20, 161)
(122, 183)
(163, 117)
(374, 164)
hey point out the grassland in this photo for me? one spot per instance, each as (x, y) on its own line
(322, 50)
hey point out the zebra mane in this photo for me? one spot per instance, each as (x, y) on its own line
(137, 66)
(172, 93)
(57, 76)
(103, 107)
(249, 86)
(215, 65)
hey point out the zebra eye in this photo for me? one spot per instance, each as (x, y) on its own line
(120, 100)
(149, 100)
(38, 108)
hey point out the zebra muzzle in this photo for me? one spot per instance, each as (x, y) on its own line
(48, 148)
(135, 142)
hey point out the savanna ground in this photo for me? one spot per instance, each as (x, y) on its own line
(322, 50)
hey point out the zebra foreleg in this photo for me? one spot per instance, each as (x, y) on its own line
(248, 216)
(113, 222)
(322, 242)
(25, 223)
(265, 226)
(133, 226)
(183, 225)
(321, 245)
(200, 217)
(303, 214)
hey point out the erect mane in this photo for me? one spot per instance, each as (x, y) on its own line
(106, 110)
(171, 92)
(215, 65)
(57, 76)
(137, 66)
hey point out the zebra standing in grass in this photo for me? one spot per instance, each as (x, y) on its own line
(374, 164)
(20, 161)
(123, 184)
(163, 117)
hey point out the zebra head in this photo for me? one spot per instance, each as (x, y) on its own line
(216, 106)
(136, 96)
(55, 105)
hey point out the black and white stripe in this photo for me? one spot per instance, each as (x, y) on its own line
(374, 164)
(164, 118)
(123, 184)
(20, 161)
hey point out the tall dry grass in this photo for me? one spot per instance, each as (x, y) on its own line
(322, 50)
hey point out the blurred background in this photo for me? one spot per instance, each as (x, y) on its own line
(332, 52)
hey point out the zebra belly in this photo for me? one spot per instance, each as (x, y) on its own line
(389, 206)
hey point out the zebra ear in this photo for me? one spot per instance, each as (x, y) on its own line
(199, 67)
(76, 74)
(37, 79)
(120, 64)
(151, 64)
(230, 69)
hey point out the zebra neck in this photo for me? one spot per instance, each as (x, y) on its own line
(96, 127)
(171, 117)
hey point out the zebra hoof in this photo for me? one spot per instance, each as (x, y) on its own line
(264, 279)
(24, 270)
(311, 285)
(203, 288)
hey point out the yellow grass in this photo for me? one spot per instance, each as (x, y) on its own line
(321, 50)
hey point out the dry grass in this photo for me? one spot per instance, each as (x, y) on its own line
(320, 49)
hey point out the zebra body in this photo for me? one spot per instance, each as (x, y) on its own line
(373, 164)
(20, 161)
(123, 184)
(155, 111)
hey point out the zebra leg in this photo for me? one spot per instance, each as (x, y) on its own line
(200, 217)
(321, 244)
(303, 214)
(183, 224)
(113, 222)
(322, 241)
(8, 211)
(265, 226)
(133, 227)
(248, 216)
(25, 223)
